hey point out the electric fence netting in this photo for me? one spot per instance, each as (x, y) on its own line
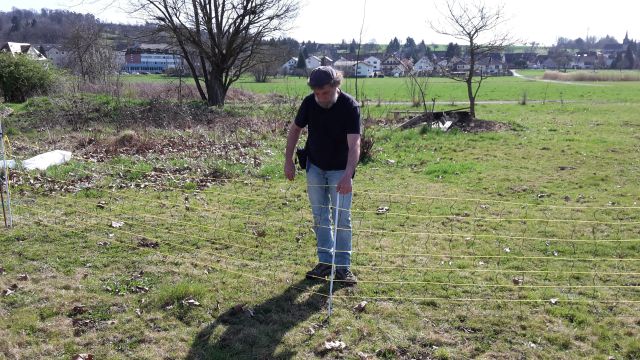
(407, 247)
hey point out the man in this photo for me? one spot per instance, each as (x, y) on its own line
(333, 151)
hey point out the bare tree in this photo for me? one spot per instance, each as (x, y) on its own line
(477, 25)
(562, 58)
(224, 34)
(268, 60)
(418, 87)
(90, 55)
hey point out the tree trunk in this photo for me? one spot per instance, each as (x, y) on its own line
(216, 91)
(469, 81)
(472, 99)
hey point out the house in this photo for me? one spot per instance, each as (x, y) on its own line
(344, 65)
(585, 60)
(375, 62)
(56, 54)
(326, 61)
(313, 62)
(442, 64)
(22, 48)
(488, 66)
(364, 69)
(520, 60)
(424, 66)
(151, 58)
(398, 71)
(390, 64)
(459, 65)
(289, 66)
(355, 68)
(404, 67)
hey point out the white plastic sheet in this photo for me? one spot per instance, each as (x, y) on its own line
(43, 161)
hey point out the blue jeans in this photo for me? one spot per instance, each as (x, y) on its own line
(321, 187)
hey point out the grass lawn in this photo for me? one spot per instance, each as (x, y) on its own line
(515, 244)
(447, 90)
(384, 90)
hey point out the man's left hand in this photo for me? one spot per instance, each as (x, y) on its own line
(344, 185)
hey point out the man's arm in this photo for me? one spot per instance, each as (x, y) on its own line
(344, 186)
(292, 140)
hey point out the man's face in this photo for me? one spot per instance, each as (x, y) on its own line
(326, 95)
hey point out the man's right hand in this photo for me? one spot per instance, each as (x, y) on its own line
(289, 169)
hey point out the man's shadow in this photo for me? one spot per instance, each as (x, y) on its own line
(238, 334)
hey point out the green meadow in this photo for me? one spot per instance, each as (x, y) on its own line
(173, 234)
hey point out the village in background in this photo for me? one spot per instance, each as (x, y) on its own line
(86, 47)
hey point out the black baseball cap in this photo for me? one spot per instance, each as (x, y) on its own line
(321, 76)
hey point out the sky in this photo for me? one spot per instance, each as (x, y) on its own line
(331, 21)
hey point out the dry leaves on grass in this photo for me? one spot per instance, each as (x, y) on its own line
(78, 310)
(117, 224)
(80, 326)
(10, 290)
(312, 329)
(139, 289)
(360, 307)
(190, 302)
(334, 345)
(382, 210)
(82, 357)
(365, 356)
(144, 242)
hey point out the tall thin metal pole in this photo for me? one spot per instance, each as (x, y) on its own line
(333, 252)
(4, 214)
(5, 183)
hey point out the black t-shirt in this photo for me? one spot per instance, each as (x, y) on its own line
(327, 146)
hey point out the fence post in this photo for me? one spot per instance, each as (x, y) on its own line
(333, 252)
(5, 182)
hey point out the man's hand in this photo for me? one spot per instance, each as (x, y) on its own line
(292, 140)
(289, 169)
(344, 185)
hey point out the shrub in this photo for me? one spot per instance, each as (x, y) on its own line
(21, 77)
(366, 147)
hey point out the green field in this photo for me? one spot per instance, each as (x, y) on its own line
(515, 244)
(445, 90)
(384, 90)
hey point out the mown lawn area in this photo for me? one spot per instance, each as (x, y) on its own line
(381, 91)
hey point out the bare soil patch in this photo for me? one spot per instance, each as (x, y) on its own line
(478, 126)
(460, 120)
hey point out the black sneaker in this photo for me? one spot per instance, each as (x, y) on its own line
(346, 277)
(320, 271)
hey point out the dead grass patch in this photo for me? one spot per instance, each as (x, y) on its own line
(127, 142)
(592, 76)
